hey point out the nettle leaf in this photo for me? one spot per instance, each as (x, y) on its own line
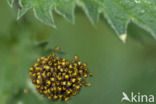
(117, 12)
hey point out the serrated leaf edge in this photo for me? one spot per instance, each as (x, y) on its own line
(122, 36)
(10, 3)
(63, 15)
(50, 12)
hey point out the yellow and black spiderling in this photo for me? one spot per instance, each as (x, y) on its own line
(57, 78)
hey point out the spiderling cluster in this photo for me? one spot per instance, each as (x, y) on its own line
(57, 78)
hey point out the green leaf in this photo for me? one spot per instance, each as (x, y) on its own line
(66, 9)
(120, 13)
(44, 14)
(91, 9)
(117, 12)
(10, 2)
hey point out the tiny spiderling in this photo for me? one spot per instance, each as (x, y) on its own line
(57, 78)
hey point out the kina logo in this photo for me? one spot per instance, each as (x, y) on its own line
(137, 98)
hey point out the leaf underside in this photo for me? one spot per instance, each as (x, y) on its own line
(117, 12)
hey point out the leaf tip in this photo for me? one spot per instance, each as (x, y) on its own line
(10, 2)
(52, 25)
(123, 37)
(69, 16)
(45, 17)
(18, 15)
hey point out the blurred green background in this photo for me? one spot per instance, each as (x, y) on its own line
(117, 67)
